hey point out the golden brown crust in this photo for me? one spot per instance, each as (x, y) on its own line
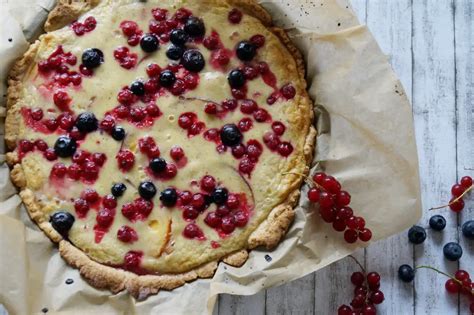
(67, 11)
(268, 234)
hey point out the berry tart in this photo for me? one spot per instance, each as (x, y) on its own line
(153, 139)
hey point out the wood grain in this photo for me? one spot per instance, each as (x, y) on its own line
(391, 24)
(430, 46)
(464, 49)
(435, 125)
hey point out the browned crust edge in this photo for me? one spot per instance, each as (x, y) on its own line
(268, 234)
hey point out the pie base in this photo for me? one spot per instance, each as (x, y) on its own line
(268, 234)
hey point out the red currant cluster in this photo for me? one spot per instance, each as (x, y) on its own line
(334, 208)
(461, 283)
(366, 295)
(458, 191)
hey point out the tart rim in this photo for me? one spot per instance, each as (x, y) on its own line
(268, 233)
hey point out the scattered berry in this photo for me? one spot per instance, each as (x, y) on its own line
(452, 251)
(468, 229)
(416, 234)
(437, 222)
(406, 273)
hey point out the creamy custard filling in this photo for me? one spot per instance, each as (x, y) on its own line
(189, 116)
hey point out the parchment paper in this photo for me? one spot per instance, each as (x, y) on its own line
(366, 140)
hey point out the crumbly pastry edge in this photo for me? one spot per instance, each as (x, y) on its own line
(268, 233)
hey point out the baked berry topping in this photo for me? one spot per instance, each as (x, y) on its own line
(147, 190)
(58, 170)
(228, 224)
(127, 234)
(90, 195)
(41, 145)
(137, 88)
(192, 231)
(118, 189)
(194, 27)
(278, 128)
(109, 202)
(159, 14)
(82, 207)
(65, 146)
(258, 40)
(158, 165)
(92, 58)
(288, 91)
(220, 195)
(86, 122)
(125, 160)
(236, 79)
(105, 217)
(126, 59)
(132, 260)
(169, 197)
(167, 78)
(234, 16)
(176, 153)
(193, 60)
(149, 43)
(178, 37)
(174, 52)
(118, 133)
(62, 222)
(208, 183)
(230, 135)
(245, 50)
(62, 100)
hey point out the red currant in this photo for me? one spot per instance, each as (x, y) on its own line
(326, 199)
(466, 182)
(313, 194)
(457, 190)
(452, 286)
(357, 278)
(373, 278)
(456, 206)
(350, 236)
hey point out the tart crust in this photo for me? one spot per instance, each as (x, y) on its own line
(267, 234)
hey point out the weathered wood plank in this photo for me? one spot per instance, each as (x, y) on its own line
(464, 48)
(435, 124)
(390, 23)
(333, 285)
(242, 305)
(296, 297)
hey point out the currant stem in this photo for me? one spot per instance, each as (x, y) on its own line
(454, 200)
(438, 271)
(358, 263)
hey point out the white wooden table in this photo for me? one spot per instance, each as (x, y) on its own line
(431, 48)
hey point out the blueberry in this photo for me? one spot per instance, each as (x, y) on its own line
(194, 27)
(137, 88)
(65, 146)
(406, 273)
(86, 122)
(149, 43)
(193, 60)
(147, 190)
(230, 135)
(174, 52)
(92, 58)
(157, 165)
(437, 222)
(169, 197)
(118, 133)
(219, 195)
(468, 229)
(167, 78)
(236, 79)
(416, 234)
(452, 251)
(245, 50)
(178, 37)
(62, 222)
(118, 189)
